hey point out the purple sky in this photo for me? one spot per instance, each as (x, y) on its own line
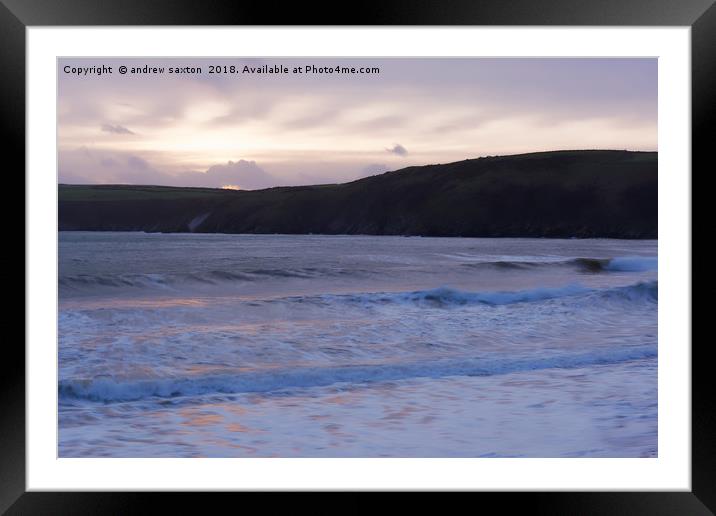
(260, 130)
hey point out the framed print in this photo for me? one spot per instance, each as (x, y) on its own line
(418, 253)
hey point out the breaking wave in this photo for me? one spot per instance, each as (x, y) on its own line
(107, 389)
(633, 264)
(445, 296)
(594, 265)
(90, 282)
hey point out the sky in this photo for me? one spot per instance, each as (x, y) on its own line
(257, 130)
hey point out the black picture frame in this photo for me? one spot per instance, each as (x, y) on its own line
(700, 15)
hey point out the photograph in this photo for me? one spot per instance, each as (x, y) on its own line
(357, 257)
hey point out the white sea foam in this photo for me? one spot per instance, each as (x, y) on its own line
(633, 264)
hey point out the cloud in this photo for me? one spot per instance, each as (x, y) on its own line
(138, 163)
(116, 129)
(321, 119)
(398, 149)
(315, 129)
(99, 166)
(243, 174)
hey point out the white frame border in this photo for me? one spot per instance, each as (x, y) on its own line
(670, 471)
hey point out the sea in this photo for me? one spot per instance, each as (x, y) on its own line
(212, 345)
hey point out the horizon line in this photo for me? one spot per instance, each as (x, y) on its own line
(486, 156)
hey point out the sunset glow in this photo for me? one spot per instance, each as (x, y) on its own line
(256, 130)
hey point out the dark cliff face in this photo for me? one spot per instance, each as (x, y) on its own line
(550, 194)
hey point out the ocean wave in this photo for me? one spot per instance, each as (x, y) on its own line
(108, 389)
(633, 264)
(89, 282)
(593, 265)
(642, 291)
(212, 277)
(446, 297)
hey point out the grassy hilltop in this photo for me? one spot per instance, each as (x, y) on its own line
(546, 194)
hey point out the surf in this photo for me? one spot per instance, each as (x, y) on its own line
(109, 389)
